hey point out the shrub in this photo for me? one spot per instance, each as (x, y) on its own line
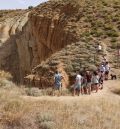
(113, 40)
(108, 27)
(14, 111)
(114, 46)
(97, 33)
(33, 92)
(30, 7)
(115, 19)
(48, 91)
(6, 75)
(46, 121)
(47, 125)
(118, 27)
(104, 3)
(112, 33)
(69, 68)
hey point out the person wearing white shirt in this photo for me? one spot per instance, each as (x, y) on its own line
(78, 83)
(99, 48)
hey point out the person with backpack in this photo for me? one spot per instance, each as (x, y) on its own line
(57, 82)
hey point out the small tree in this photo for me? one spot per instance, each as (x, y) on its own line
(30, 7)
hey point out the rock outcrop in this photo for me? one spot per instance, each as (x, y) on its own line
(59, 35)
(10, 28)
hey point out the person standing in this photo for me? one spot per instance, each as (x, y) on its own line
(77, 85)
(57, 82)
(95, 81)
(88, 78)
(101, 79)
(102, 68)
(107, 70)
(99, 48)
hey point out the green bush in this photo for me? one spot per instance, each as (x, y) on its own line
(104, 3)
(30, 7)
(115, 19)
(113, 40)
(108, 27)
(96, 33)
(112, 33)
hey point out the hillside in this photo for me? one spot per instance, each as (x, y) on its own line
(84, 24)
(59, 35)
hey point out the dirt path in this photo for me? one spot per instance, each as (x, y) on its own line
(108, 86)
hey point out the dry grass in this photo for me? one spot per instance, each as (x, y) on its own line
(16, 112)
(6, 75)
(116, 90)
(95, 113)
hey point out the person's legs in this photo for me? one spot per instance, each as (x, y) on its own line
(82, 90)
(96, 87)
(89, 88)
(86, 90)
(79, 91)
(59, 91)
(53, 90)
(101, 84)
(106, 75)
(74, 91)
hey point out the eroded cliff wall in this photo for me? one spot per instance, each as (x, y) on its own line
(10, 29)
(56, 35)
(31, 39)
(46, 31)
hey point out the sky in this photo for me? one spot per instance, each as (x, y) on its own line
(19, 4)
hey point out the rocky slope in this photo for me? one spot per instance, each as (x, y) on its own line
(58, 35)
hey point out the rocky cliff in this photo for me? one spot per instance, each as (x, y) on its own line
(59, 35)
(11, 23)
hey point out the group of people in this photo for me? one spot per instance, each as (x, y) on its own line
(86, 81)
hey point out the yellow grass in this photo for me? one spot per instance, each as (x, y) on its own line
(69, 113)
(85, 112)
